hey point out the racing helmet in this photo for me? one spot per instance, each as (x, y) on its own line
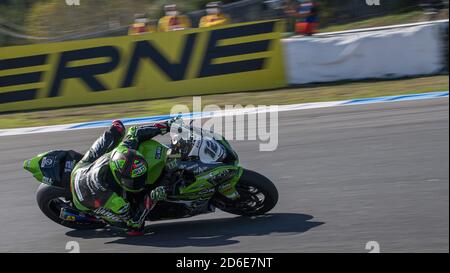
(129, 168)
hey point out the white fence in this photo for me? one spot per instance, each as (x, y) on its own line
(390, 52)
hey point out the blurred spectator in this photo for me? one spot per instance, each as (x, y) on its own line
(306, 14)
(214, 16)
(141, 25)
(173, 20)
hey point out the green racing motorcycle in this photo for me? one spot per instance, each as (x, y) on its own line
(199, 169)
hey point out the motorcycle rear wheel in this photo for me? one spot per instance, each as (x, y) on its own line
(51, 199)
(258, 195)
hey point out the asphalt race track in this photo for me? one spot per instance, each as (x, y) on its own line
(346, 176)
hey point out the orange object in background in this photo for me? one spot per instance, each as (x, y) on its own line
(140, 28)
(173, 20)
(306, 14)
(141, 25)
(214, 20)
(305, 28)
(170, 23)
(214, 16)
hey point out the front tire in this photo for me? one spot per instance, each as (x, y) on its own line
(258, 195)
(50, 199)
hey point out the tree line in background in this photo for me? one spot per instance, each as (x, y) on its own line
(53, 18)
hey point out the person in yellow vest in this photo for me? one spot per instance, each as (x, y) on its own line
(173, 20)
(141, 25)
(214, 16)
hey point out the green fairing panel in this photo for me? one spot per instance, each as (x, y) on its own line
(156, 155)
(33, 166)
(203, 188)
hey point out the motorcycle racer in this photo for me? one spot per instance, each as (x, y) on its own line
(198, 172)
(112, 169)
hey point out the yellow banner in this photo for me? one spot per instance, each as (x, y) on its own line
(240, 57)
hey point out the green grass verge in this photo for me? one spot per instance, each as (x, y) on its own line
(312, 93)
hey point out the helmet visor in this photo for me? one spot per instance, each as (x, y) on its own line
(133, 184)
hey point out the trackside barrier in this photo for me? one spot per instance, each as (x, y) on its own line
(240, 57)
(232, 58)
(385, 53)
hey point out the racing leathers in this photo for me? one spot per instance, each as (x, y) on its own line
(94, 188)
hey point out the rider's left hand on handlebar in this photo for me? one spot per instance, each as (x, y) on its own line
(163, 126)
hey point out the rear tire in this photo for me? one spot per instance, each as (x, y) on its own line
(50, 198)
(250, 187)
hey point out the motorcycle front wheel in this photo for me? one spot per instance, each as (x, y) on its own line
(258, 195)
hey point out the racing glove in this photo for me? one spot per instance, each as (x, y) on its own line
(136, 225)
(164, 127)
(158, 194)
(143, 133)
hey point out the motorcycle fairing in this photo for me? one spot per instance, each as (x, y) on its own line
(156, 155)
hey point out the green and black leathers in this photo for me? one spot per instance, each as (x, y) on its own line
(92, 184)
